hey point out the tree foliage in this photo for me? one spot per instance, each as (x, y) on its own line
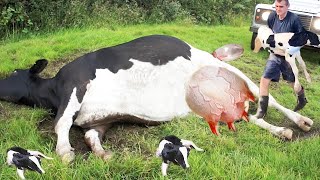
(31, 15)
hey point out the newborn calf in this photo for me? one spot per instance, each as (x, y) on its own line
(173, 149)
(25, 159)
(288, 45)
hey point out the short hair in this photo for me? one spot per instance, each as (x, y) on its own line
(287, 2)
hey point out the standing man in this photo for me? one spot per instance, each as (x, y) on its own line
(280, 21)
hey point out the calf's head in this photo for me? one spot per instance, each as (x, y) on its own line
(263, 34)
(16, 87)
(176, 154)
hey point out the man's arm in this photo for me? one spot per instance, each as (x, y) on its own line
(271, 19)
(297, 25)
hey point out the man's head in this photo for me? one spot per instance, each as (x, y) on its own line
(282, 7)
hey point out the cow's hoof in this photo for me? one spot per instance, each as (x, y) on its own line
(107, 155)
(68, 157)
(286, 134)
(308, 78)
(305, 124)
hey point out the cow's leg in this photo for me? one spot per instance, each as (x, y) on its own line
(64, 121)
(304, 67)
(303, 122)
(291, 61)
(281, 132)
(93, 138)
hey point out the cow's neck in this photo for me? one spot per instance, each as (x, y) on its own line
(44, 94)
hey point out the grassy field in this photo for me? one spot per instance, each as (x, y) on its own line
(249, 153)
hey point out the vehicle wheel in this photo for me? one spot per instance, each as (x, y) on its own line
(254, 35)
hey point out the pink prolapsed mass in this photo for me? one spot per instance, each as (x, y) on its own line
(218, 94)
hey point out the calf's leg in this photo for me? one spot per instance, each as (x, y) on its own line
(303, 66)
(291, 61)
(20, 173)
(164, 168)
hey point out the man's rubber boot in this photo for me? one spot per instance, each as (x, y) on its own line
(263, 106)
(301, 101)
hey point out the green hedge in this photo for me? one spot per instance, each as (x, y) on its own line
(32, 15)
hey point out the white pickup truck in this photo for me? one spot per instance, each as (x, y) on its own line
(307, 10)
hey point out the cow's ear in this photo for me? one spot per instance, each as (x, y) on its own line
(39, 66)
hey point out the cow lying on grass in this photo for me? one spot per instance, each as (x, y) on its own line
(141, 81)
(288, 45)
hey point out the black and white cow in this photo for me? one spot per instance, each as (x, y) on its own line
(140, 81)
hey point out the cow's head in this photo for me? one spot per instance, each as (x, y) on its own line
(16, 87)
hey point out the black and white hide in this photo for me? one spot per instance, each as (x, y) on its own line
(25, 159)
(175, 150)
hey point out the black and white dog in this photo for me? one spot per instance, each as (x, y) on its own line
(25, 159)
(173, 149)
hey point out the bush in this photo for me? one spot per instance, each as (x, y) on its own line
(26, 16)
(167, 11)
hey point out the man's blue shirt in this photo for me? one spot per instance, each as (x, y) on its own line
(291, 23)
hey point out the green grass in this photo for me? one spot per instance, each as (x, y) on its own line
(249, 153)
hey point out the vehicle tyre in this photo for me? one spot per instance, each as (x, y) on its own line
(254, 35)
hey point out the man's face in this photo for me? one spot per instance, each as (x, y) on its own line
(281, 9)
